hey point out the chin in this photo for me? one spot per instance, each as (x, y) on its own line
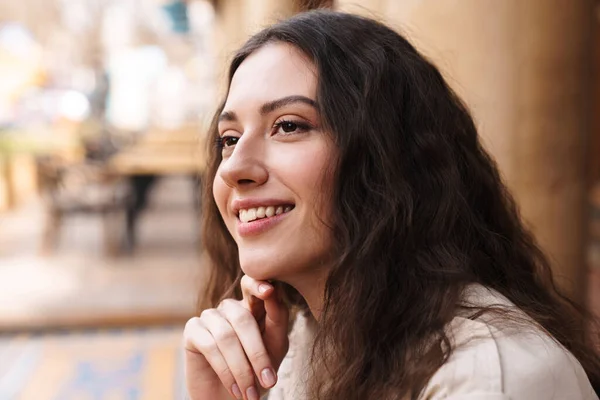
(258, 273)
(260, 270)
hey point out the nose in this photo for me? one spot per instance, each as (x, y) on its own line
(245, 167)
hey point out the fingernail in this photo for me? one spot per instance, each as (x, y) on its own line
(263, 288)
(251, 393)
(268, 377)
(236, 391)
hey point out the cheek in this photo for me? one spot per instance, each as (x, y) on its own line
(308, 164)
(310, 177)
(303, 175)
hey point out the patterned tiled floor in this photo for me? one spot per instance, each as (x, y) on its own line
(144, 364)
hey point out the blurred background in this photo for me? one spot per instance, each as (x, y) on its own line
(103, 109)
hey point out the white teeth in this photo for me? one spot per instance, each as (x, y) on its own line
(252, 214)
(260, 212)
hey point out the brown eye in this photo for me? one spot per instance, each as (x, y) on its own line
(227, 141)
(288, 127)
(291, 127)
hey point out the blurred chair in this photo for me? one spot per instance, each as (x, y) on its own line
(81, 188)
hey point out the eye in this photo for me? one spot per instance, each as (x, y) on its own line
(226, 141)
(288, 127)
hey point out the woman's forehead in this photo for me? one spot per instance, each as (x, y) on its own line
(274, 71)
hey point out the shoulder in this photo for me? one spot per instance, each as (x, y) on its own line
(492, 362)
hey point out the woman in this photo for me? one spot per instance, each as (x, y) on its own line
(348, 195)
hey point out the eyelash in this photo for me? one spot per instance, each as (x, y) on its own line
(301, 126)
(219, 142)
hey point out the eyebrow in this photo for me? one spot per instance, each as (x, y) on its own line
(272, 106)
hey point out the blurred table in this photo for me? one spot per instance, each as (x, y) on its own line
(154, 155)
(162, 153)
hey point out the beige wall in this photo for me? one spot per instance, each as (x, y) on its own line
(237, 20)
(523, 68)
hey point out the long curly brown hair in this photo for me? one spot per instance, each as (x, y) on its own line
(420, 211)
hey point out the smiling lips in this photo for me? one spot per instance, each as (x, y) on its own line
(253, 214)
(256, 220)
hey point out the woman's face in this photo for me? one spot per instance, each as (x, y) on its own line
(276, 160)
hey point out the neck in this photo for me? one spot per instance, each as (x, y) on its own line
(312, 288)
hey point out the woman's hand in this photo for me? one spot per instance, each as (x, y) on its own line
(236, 348)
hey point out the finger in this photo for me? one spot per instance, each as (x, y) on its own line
(230, 347)
(276, 319)
(253, 288)
(264, 301)
(254, 293)
(249, 335)
(276, 309)
(198, 340)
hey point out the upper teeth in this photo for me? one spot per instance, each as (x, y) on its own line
(251, 214)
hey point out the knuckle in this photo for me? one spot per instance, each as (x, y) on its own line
(207, 313)
(190, 326)
(191, 334)
(237, 315)
(201, 345)
(242, 319)
(225, 374)
(245, 377)
(258, 356)
(224, 335)
(227, 304)
(208, 347)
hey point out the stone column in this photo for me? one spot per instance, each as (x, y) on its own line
(595, 147)
(549, 147)
(523, 67)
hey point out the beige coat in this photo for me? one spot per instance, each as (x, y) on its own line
(488, 363)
